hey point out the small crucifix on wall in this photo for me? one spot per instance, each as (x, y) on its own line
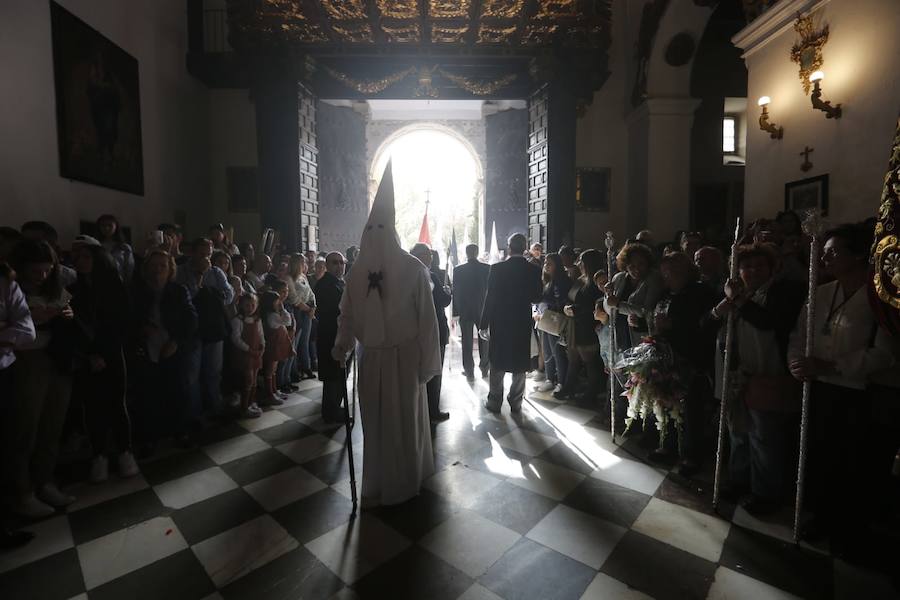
(807, 165)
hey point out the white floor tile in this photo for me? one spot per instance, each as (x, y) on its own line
(631, 474)
(547, 479)
(604, 587)
(268, 419)
(51, 537)
(236, 552)
(308, 384)
(283, 488)
(731, 585)
(194, 488)
(235, 448)
(479, 592)
(469, 542)
(343, 488)
(358, 547)
(461, 484)
(127, 550)
(578, 535)
(88, 494)
(573, 414)
(527, 442)
(686, 529)
(308, 448)
(852, 583)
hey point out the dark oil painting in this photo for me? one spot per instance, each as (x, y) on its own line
(97, 106)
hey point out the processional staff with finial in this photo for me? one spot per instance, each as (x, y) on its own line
(726, 371)
(813, 227)
(610, 263)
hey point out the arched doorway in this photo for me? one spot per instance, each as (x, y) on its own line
(435, 164)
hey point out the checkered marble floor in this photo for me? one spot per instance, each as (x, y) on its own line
(541, 505)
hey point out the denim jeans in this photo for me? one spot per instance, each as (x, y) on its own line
(211, 377)
(556, 361)
(758, 456)
(303, 360)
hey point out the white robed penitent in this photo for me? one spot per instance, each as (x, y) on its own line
(387, 307)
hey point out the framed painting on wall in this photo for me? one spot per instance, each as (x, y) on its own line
(592, 189)
(98, 108)
(807, 194)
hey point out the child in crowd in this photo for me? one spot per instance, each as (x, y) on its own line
(248, 341)
(602, 320)
(279, 339)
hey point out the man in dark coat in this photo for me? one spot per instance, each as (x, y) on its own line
(440, 294)
(329, 290)
(512, 287)
(469, 287)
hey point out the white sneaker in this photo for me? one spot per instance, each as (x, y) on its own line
(127, 465)
(546, 386)
(539, 376)
(558, 388)
(52, 495)
(253, 411)
(99, 469)
(29, 506)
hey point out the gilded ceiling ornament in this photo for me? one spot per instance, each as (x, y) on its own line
(496, 35)
(345, 9)
(538, 35)
(305, 33)
(425, 89)
(369, 86)
(502, 9)
(479, 87)
(448, 35)
(886, 247)
(284, 9)
(356, 34)
(449, 9)
(405, 33)
(808, 51)
(557, 8)
(399, 9)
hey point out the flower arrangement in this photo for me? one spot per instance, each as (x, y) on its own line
(653, 386)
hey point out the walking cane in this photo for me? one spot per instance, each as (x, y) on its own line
(349, 422)
(726, 371)
(610, 263)
(812, 226)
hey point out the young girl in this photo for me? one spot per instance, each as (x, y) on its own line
(279, 346)
(249, 342)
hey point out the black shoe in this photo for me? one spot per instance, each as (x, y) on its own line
(490, 408)
(759, 507)
(10, 540)
(485, 374)
(470, 375)
(440, 416)
(563, 395)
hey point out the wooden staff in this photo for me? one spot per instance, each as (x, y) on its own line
(610, 263)
(726, 371)
(812, 226)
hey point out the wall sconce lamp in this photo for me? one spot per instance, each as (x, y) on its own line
(831, 112)
(775, 132)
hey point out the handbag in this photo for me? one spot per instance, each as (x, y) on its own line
(777, 393)
(551, 322)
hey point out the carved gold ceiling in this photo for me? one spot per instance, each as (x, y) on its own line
(448, 23)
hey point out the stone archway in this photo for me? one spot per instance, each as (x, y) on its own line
(381, 135)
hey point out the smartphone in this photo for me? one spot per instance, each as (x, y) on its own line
(159, 237)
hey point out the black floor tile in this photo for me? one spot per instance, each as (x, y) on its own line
(413, 575)
(530, 571)
(176, 577)
(219, 433)
(791, 568)
(298, 411)
(693, 494)
(416, 517)
(334, 467)
(211, 517)
(657, 569)
(286, 432)
(177, 465)
(257, 466)
(119, 513)
(57, 576)
(297, 574)
(513, 507)
(314, 515)
(607, 501)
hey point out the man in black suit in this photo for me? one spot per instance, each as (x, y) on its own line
(440, 293)
(469, 287)
(512, 287)
(329, 289)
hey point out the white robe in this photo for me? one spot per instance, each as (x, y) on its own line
(397, 453)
